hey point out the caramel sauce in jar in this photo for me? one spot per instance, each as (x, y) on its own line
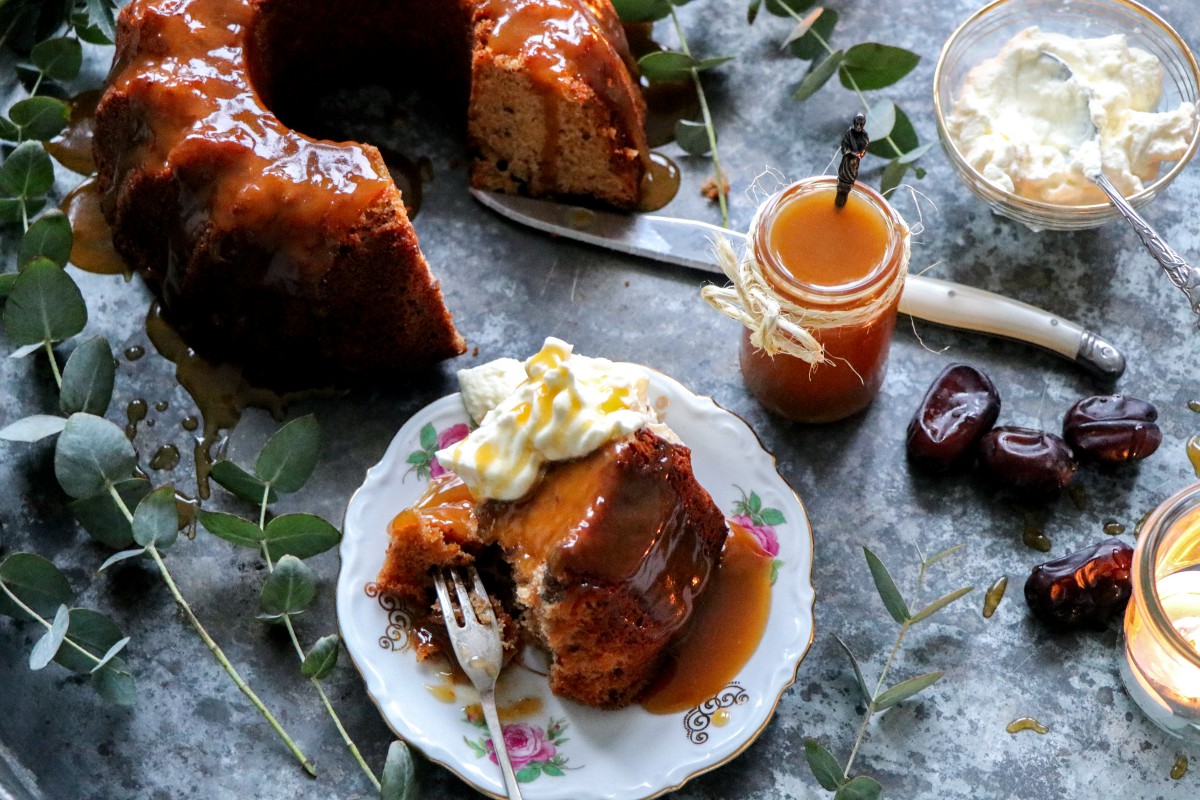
(828, 260)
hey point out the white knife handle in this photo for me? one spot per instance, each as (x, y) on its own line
(958, 306)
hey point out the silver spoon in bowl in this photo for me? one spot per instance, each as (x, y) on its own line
(1179, 271)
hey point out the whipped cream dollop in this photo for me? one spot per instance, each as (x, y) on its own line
(556, 406)
(1023, 126)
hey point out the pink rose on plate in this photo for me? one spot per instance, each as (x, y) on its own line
(525, 744)
(763, 534)
(449, 436)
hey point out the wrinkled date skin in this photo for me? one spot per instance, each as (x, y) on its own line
(1034, 463)
(960, 407)
(1112, 428)
(1084, 589)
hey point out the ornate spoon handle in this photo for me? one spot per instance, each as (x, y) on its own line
(1178, 270)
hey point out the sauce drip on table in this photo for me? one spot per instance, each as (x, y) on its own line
(1026, 724)
(995, 594)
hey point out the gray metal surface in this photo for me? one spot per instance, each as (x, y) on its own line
(192, 735)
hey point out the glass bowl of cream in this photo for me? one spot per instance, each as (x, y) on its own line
(1015, 124)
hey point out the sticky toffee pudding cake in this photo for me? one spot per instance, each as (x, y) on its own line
(294, 256)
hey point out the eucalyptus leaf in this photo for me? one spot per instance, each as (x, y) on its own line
(289, 457)
(231, 528)
(241, 483)
(92, 455)
(92, 631)
(893, 176)
(892, 600)
(45, 305)
(36, 582)
(289, 589)
(115, 683)
(819, 75)
(825, 768)
(27, 172)
(666, 66)
(908, 158)
(939, 604)
(752, 11)
(59, 59)
(156, 519)
(322, 658)
(812, 45)
(49, 236)
(26, 350)
(7, 281)
(104, 520)
(8, 131)
(858, 675)
(100, 14)
(874, 66)
(33, 428)
(92, 34)
(788, 8)
(802, 27)
(40, 118)
(881, 118)
(902, 139)
(300, 535)
(905, 689)
(116, 558)
(641, 10)
(43, 652)
(399, 778)
(692, 137)
(12, 209)
(859, 787)
(111, 654)
(88, 377)
(714, 61)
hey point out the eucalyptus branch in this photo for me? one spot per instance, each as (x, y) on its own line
(48, 625)
(832, 775)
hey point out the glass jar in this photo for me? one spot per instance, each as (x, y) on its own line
(864, 294)
(1161, 664)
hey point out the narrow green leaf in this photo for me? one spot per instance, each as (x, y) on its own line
(92, 631)
(811, 45)
(241, 483)
(892, 600)
(156, 519)
(399, 778)
(33, 428)
(289, 589)
(858, 676)
(803, 26)
(36, 582)
(692, 137)
(752, 11)
(115, 683)
(104, 520)
(100, 15)
(903, 138)
(231, 528)
(45, 305)
(940, 603)
(819, 74)
(87, 379)
(906, 689)
(859, 787)
(92, 453)
(666, 66)
(43, 652)
(893, 176)
(27, 172)
(936, 557)
(59, 59)
(121, 556)
(824, 766)
(289, 457)
(322, 658)
(49, 236)
(714, 61)
(881, 118)
(40, 118)
(875, 66)
(111, 654)
(300, 535)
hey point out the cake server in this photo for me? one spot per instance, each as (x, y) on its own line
(688, 243)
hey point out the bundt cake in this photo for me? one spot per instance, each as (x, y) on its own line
(607, 556)
(295, 256)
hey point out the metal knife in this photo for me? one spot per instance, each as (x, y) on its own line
(688, 243)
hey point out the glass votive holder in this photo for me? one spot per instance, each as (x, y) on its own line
(1161, 663)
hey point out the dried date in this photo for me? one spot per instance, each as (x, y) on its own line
(1084, 589)
(1112, 428)
(1032, 462)
(961, 405)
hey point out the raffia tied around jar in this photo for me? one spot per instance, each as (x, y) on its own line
(776, 322)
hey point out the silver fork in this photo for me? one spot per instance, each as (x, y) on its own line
(477, 645)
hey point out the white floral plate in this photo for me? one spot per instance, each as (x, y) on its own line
(561, 749)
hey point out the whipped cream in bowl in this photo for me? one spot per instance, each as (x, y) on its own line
(1020, 132)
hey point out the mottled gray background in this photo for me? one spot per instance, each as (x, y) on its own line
(193, 736)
